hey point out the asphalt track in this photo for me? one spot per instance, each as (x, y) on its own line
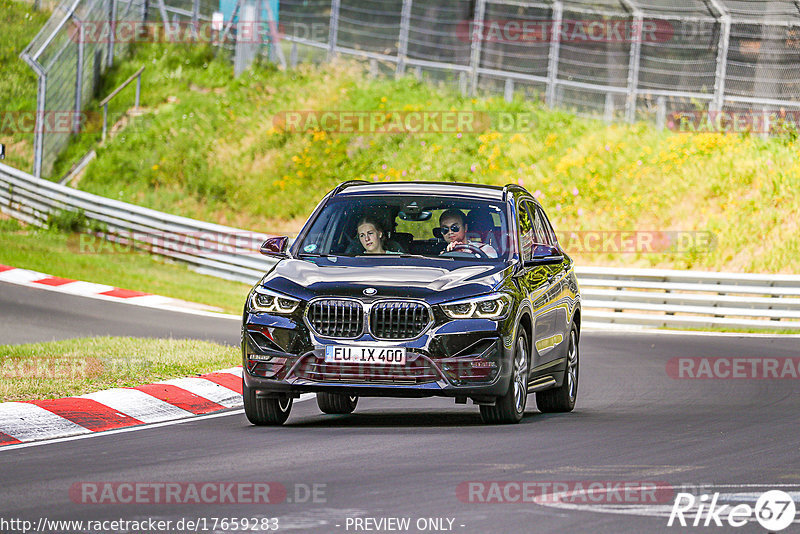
(407, 458)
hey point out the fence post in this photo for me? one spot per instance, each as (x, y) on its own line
(195, 17)
(333, 31)
(633, 67)
(112, 16)
(138, 90)
(402, 47)
(722, 62)
(608, 110)
(38, 135)
(76, 120)
(661, 112)
(508, 91)
(476, 37)
(552, 58)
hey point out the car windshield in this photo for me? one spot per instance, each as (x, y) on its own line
(431, 226)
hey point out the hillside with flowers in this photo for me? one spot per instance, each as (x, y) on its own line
(209, 146)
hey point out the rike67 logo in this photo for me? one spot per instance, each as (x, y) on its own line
(774, 510)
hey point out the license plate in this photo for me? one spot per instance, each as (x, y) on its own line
(368, 355)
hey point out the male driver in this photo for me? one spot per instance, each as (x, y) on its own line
(454, 232)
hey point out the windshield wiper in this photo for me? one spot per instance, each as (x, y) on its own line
(426, 257)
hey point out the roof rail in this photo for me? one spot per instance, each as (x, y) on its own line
(513, 186)
(347, 184)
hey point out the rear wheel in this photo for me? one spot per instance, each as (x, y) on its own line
(562, 399)
(510, 407)
(265, 411)
(336, 403)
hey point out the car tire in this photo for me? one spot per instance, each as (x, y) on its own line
(336, 403)
(510, 408)
(562, 398)
(265, 411)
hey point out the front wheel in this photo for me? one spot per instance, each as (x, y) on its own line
(510, 407)
(562, 399)
(336, 403)
(265, 411)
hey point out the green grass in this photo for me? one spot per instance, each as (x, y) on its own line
(61, 254)
(76, 366)
(207, 148)
(19, 24)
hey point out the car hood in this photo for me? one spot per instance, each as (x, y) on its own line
(433, 280)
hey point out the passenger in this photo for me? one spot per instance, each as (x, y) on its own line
(372, 237)
(454, 232)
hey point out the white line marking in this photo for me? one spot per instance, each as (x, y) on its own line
(21, 276)
(28, 422)
(137, 404)
(236, 371)
(84, 288)
(208, 390)
(303, 397)
(600, 328)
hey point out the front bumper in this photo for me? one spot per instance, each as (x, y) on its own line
(463, 358)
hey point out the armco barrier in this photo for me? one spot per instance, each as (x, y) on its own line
(693, 299)
(633, 297)
(210, 248)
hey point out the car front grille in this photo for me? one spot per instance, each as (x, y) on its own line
(418, 371)
(398, 319)
(336, 318)
(392, 320)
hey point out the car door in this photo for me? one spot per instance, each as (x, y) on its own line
(556, 346)
(540, 285)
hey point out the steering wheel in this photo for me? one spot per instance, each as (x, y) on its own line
(469, 248)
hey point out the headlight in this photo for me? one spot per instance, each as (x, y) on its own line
(494, 306)
(264, 300)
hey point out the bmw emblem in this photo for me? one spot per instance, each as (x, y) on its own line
(370, 291)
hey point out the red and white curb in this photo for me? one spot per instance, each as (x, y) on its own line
(25, 277)
(23, 422)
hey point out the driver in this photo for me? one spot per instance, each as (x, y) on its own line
(454, 232)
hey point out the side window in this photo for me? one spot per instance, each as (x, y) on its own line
(526, 232)
(552, 238)
(543, 236)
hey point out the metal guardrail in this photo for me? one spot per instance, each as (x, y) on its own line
(210, 248)
(640, 297)
(692, 299)
(104, 103)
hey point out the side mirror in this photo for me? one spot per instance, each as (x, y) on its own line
(275, 246)
(544, 255)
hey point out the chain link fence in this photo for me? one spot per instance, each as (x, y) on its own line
(615, 59)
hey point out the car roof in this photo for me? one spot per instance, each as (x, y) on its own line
(482, 191)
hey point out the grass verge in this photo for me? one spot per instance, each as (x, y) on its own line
(19, 22)
(76, 366)
(206, 147)
(56, 253)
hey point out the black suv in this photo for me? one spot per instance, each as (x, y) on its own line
(415, 289)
